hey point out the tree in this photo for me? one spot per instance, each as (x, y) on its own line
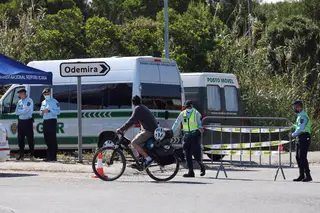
(312, 9)
(111, 9)
(13, 40)
(192, 36)
(58, 36)
(53, 6)
(139, 37)
(102, 38)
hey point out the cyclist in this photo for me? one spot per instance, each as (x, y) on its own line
(142, 115)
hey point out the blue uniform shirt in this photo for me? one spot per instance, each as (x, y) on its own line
(52, 105)
(177, 123)
(24, 108)
(300, 126)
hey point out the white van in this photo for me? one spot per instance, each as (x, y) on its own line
(106, 100)
(4, 145)
(214, 94)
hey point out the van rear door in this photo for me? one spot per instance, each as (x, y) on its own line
(161, 88)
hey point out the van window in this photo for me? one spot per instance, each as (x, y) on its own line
(103, 96)
(36, 96)
(197, 96)
(94, 96)
(7, 102)
(61, 94)
(15, 99)
(214, 98)
(118, 96)
(231, 98)
(161, 96)
(11, 100)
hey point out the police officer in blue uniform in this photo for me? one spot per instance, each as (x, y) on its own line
(50, 110)
(24, 110)
(302, 134)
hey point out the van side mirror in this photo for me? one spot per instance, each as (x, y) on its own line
(1, 108)
(166, 115)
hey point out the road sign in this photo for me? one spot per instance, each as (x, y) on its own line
(83, 69)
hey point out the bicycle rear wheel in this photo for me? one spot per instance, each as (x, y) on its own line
(160, 172)
(108, 164)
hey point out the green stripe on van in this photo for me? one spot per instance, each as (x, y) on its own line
(64, 140)
(97, 114)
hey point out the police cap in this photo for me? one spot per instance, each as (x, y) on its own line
(297, 103)
(22, 90)
(46, 90)
(188, 103)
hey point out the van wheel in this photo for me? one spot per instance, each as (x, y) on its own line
(106, 138)
(215, 157)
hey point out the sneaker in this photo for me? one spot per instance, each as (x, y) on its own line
(135, 165)
(146, 163)
(32, 158)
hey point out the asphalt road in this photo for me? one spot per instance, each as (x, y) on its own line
(249, 190)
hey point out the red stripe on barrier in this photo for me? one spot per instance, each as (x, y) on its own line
(4, 149)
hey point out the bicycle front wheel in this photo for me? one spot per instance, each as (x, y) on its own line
(108, 164)
(160, 171)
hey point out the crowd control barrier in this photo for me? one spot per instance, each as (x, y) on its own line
(247, 137)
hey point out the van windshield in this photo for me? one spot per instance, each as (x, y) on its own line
(161, 96)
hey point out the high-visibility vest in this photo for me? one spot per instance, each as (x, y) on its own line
(189, 124)
(307, 127)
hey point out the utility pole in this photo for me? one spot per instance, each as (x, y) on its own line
(249, 22)
(166, 28)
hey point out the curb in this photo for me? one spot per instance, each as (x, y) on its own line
(54, 168)
(6, 210)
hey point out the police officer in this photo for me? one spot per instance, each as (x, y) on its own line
(50, 109)
(303, 139)
(24, 110)
(191, 122)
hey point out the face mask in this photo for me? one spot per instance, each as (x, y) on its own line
(47, 97)
(189, 110)
(295, 110)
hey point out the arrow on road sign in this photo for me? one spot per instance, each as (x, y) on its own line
(105, 69)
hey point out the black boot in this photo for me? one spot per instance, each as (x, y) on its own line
(308, 178)
(203, 170)
(300, 178)
(189, 174)
(21, 156)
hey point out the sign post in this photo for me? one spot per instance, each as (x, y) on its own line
(79, 104)
(82, 69)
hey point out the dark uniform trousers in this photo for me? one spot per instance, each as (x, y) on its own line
(302, 147)
(25, 129)
(50, 137)
(191, 148)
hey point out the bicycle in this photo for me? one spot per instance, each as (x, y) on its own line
(161, 152)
